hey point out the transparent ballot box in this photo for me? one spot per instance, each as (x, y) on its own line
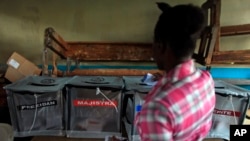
(36, 106)
(231, 106)
(94, 106)
(134, 93)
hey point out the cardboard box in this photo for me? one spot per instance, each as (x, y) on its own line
(19, 67)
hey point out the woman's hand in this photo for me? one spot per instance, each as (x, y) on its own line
(157, 76)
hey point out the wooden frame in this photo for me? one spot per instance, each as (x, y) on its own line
(125, 52)
(211, 33)
(94, 52)
(208, 54)
(240, 57)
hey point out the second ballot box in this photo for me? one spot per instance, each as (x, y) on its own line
(94, 106)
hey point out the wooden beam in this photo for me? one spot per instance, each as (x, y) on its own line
(231, 57)
(55, 47)
(112, 72)
(50, 33)
(212, 9)
(233, 30)
(99, 51)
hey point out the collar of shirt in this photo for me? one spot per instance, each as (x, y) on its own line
(177, 73)
(180, 71)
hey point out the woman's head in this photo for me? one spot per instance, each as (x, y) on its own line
(177, 30)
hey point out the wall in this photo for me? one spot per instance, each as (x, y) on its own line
(22, 23)
(232, 13)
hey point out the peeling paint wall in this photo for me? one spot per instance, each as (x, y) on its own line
(22, 22)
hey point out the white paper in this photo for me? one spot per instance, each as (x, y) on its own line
(14, 63)
(148, 79)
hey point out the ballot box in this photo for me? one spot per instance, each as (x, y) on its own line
(232, 103)
(94, 106)
(36, 106)
(134, 92)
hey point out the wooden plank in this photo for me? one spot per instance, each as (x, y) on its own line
(212, 10)
(231, 57)
(217, 13)
(211, 45)
(112, 72)
(233, 30)
(99, 51)
(51, 33)
(55, 47)
(207, 44)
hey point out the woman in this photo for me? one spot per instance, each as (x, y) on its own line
(180, 106)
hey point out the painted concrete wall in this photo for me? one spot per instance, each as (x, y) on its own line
(22, 22)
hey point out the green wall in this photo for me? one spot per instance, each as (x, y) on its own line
(22, 22)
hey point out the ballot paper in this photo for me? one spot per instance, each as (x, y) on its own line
(148, 79)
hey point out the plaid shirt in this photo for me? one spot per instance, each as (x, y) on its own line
(179, 107)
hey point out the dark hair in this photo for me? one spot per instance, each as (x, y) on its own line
(179, 27)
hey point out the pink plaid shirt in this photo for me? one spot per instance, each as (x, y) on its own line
(179, 107)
